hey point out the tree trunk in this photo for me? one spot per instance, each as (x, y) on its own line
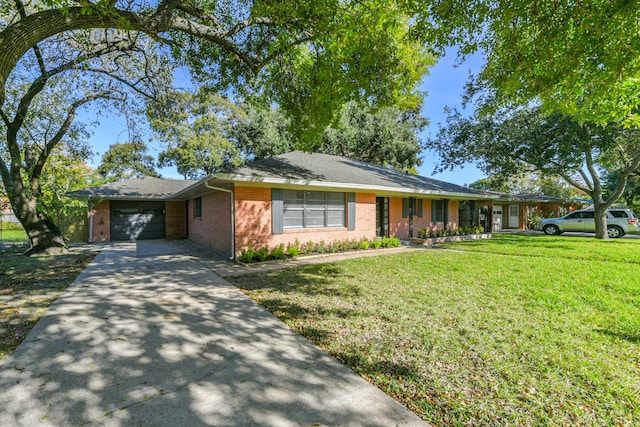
(600, 218)
(44, 235)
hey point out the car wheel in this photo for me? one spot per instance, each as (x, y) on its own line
(614, 232)
(551, 229)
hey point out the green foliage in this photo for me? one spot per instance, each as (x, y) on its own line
(247, 255)
(261, 254)
(386, 137)
(365, 243)
(520, 140)
(293, 249)
(199, 130)
(277, 252)
(127, 160)
(556, 53)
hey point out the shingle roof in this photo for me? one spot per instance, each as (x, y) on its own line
(534, 198)
(139, 188)
(322, 169)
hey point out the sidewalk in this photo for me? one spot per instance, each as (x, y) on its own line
(150, 336)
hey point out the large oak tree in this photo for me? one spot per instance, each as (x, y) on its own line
(309, 57)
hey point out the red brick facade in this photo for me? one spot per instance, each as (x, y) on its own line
(253, 221)
(213, 227)
(101, 222)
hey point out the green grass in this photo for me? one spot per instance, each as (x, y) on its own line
(8, 236)
(547, 333)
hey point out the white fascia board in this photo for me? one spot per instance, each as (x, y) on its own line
(270, 181)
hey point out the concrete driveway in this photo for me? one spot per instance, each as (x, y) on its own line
(151, 337)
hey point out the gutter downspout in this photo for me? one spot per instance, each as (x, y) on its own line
(233, 216)
(90, 221)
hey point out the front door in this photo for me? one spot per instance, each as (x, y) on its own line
(497, 217)
(514, 216)
(382, 216)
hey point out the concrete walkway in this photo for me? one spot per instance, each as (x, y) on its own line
(150, 336)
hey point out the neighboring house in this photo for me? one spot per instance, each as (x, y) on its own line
(295, 196)
(516, 211)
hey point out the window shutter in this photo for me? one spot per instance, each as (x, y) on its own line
(419, 207)
(276, 211)
(351, 211)
(405, 208)
(445, 208)
(433, 211)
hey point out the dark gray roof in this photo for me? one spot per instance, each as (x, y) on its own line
(139, 188)
(534, 198)
(334, 171)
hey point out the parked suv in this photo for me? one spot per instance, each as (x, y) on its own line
(619, 222)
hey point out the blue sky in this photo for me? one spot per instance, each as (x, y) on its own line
(444, 86)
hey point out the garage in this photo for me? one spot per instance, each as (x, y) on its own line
(137, 220)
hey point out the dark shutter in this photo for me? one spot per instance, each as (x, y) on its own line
(351, 211)
(445, 207)
(276, 211)
(419, 207)
(433, 211)
(405, 208)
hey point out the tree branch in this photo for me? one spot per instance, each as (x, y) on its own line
(53, 142)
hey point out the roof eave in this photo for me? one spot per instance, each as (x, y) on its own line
(342, 185)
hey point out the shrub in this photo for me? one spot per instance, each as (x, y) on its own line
(321, 247)
(311, 247)
(293, 249)
(261, 254)
(376, 243)
(364, 243)
(247, 255)
(277, 252)
(422, 233)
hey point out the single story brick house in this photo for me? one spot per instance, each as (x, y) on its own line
(295, 196)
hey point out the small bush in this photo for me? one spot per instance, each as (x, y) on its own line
(277, 252)
(422, 233)
(247, 255)
(261, 254)
(321, 247)
(376, 244)
(293, 249)
(364, 243)
(310, 247)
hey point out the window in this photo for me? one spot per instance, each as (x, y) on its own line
(197, 207)
(438, 208)
(312, 209)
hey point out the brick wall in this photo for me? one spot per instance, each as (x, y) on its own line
(253, 222)
(213, 228)
(101, 222)
(399, 226)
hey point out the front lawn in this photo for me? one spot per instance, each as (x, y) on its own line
(547, 333)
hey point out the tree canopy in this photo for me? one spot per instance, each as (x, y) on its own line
(127, 160)
(581, 58)
(387, 137)
(528, 140)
